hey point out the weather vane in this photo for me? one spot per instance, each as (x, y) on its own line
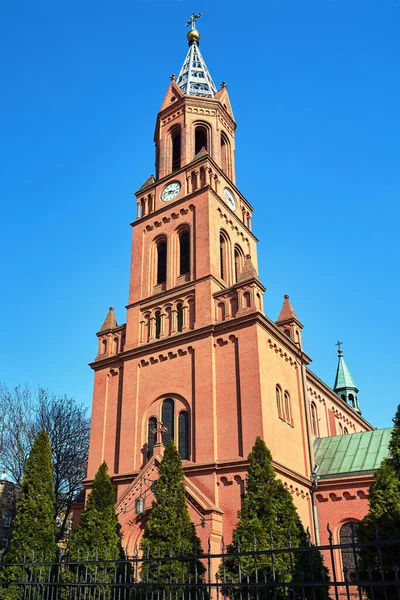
(192, 21)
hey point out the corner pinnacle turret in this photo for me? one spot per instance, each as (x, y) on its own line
(344, 385)
(194, 78)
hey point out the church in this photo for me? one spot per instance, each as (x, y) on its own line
(199, 362)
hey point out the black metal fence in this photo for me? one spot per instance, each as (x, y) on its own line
(293, 573)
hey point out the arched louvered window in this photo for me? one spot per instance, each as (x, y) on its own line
(288, 408)
(239, 260)
(167, 419)
(176, 150)
(161, 262)
(349, 555)
(314, 419)
(278, 392)
(151, 436)
(183, 432)
(200, 139)
(158, 324)
(184, 253)
(224, 153)
(179, 317)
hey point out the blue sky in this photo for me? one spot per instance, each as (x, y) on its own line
(315, 90)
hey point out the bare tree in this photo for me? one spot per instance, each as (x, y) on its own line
(22, 415)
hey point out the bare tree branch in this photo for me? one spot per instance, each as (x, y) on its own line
(22, 415)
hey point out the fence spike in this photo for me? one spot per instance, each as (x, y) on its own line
(254, 541)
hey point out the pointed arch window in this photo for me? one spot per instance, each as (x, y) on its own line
(176, 150)
(340, 429)
(183, 433)
(161, 262)
(151, 436)
(184, 253)
(167, 418)
(200, 139)
(314, 419)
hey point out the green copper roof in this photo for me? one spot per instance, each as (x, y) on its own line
(343, 377)
(354, 453)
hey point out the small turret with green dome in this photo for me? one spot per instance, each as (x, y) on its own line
(344, 385)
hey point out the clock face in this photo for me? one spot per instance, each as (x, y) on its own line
(230, 200)
(171, 191)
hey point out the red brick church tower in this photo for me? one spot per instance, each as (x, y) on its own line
(198, 360)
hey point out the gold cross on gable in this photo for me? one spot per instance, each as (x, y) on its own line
(159, 430)
(192, 21)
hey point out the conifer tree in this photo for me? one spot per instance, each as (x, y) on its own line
(34, 534)
(94, 551)
(97, 535)
(383, 520)
(268, 519)
(169, 529)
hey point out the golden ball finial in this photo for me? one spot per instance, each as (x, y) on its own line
(193, 36)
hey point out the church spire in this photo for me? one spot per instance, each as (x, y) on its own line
(194, 78)
(344, 385)
(289, 322)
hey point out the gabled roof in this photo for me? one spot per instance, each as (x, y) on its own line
(287, 313)
(343, 378)
(110, 321)
(350, 454)
(194, 78)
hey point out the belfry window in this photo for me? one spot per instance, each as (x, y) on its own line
(161, 262)
(200, 139)
(224, 249)
(184, 253)
(151, 436)
(167, 418)
(183, 433)
(239, 259)
(176, 150)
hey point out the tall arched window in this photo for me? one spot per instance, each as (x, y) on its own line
(179, 317)
(224, 153)
(349, 555)
(161, 262)
(340, 429)
(346, 431)
(278, 392)
(239, 260)
(176, 150)
(314, 419)
(222, 252)
(184, 253)
(151, 436)
(167, 418)
(200, 139)
(183, 433)
(288, 408)
(158, 324)
(104, 346)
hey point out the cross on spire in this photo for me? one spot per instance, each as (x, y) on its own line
(339, 344)
(192, 21)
